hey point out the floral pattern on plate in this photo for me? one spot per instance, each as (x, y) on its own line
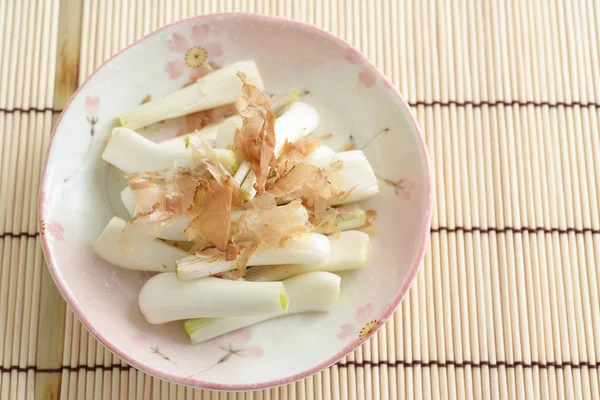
(192, 52)
(366, 322)
(367, 75)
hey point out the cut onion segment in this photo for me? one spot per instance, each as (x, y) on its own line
(355, 176)
(218, 88)
(310, 248)
(349, 251)
(151, 255)
(131, 152)
(221, 134)
(322, 151)
(313, 291)
(208, 133)
(226, 132)
(242, 172)
(176, 225)
(165, 298)
(349, 217)
(129, 201)
(298, 121)
(215, 134)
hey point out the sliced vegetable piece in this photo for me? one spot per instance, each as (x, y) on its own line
(310, 248)
(226, 132)
(208, 133)
(241, 174)
(153, 255)
(213, 90)
(129, 201)
(280, 102)
(298, 121)
(349, 250)
(131, 152)
(220, 135)
(314, 291)
(322, 151)
(348, 218)
(165, 298)
(351, 172)
(176, 225)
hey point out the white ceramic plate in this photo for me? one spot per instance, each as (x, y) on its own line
(79, 195)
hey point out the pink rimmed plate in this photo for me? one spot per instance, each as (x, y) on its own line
(79, 194)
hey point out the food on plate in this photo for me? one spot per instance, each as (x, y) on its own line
(348, 250)
(166, 298)
(247, 219)
(312, 291)
(215, 89)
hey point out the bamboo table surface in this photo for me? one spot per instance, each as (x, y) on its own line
(506, 304)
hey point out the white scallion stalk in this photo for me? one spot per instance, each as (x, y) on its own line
(298, 121)
(322, 151)
(226, 132)
(153, 255)
(131, 152)
(351, 217)
(355, 176)
(314, 291)
(310, 248)
(218, 88)
(242, 237)
(244, 169)
(208, 133)
(242, 172)
(165, 298)
(349, 250)
(129, 201)
(247, 191)
(221, 134)
(176, 225)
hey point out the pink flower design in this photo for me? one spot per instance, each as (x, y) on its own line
(232, 344)
(239, 337)
(364, 314)
(254, 352)
(366, 75)
(404, 189)
(55, 230)
(229, 344)
(139, 338)
(193, 52)
(366, 323)
(347, 330)
(175, 69)
(353, 57)
(92, 105)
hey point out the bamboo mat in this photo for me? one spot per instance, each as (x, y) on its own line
(507, 302)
